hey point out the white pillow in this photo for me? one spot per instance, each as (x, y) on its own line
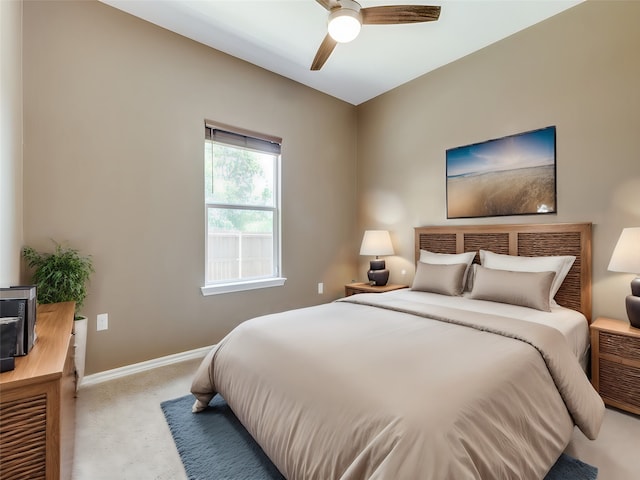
(560, 264)
(449, 259)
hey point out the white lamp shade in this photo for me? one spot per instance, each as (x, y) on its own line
(376, 242)
(344, 25)
(626, 255)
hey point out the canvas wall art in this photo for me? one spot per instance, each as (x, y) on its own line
(513, 175)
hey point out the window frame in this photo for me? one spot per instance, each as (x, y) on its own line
(276, 278)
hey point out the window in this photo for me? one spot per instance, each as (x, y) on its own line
(242, 205)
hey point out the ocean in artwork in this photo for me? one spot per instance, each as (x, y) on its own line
(517, 191)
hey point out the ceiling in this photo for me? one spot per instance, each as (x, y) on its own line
(282, 36)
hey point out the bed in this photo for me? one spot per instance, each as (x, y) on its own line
(429, 382)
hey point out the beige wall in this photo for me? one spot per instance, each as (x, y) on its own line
(113, 163)
(10, 141)
(579, 71)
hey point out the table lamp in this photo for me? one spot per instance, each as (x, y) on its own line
(626, 258)
(377, 242)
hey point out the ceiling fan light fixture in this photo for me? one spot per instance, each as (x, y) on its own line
(344, 24)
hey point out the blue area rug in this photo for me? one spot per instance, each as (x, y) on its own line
(213, 445)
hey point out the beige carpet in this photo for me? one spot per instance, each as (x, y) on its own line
(121, 432)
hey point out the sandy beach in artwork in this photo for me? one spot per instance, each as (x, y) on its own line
(507, 192)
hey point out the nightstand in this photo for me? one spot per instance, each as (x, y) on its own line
(353, 288)
(615, 363)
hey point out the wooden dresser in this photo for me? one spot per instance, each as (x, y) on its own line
(37, 402)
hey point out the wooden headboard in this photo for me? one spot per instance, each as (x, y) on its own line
(530, 240)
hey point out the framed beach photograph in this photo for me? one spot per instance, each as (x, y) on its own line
(513, 175)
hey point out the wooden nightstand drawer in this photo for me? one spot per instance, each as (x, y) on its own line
(619, 345)
(619, 382)
(615, 363)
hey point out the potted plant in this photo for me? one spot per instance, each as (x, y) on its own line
(62, 276)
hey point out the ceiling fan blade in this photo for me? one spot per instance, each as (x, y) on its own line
(328, 4)
(325, 49)
(394, 14)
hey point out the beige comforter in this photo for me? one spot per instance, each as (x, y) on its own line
(370, 388)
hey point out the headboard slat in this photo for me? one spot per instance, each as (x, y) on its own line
(438, 243)
(496, 242)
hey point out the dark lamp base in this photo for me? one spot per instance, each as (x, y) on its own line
(377, 274)
(633, 310)
(380, 278)
(377, 265)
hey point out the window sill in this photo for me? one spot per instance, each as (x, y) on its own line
(242, 286)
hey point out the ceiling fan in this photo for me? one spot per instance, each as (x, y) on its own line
(347, 16)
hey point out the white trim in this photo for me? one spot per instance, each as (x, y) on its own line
(242, 286)
(107, 375)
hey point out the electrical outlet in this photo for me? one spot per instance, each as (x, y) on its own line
(103, 321)
(320, 288)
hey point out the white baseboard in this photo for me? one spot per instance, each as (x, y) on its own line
(142, 366)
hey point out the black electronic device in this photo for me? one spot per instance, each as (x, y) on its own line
(8, 341)
(20, 302)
